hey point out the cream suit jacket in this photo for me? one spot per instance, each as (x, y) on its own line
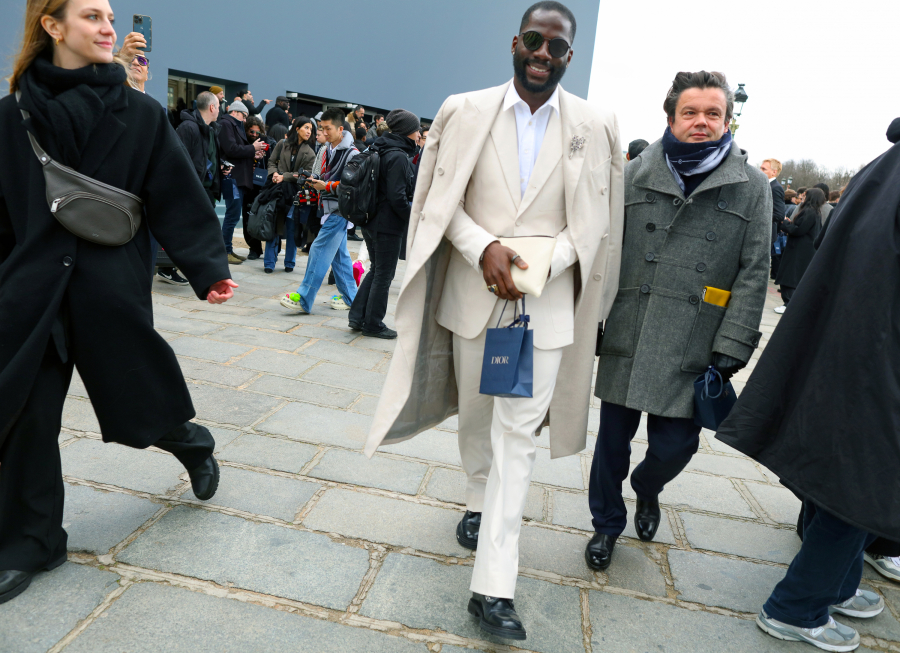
(494, 206)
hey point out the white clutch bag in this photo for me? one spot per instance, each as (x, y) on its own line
(537, 251)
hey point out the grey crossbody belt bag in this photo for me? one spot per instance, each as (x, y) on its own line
(90, 209)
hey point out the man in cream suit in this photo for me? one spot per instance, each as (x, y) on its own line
(522, 159)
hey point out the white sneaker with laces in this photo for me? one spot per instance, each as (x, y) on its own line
(833, 636)
(863, 605)
(781, 309)
(886, 566)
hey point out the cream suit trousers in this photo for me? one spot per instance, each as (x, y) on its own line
(497, 447)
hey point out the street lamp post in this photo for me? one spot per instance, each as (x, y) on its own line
(740, 96)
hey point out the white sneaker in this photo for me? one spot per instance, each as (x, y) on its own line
(337, 303)
(884, 565)
(863, 605)
(781, 309)
(830, 637)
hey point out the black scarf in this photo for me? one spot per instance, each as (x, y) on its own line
(691, 163)
(67, 105)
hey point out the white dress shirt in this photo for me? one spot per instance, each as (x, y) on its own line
(530, 129)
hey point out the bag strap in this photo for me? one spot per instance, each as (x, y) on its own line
(42, 156)
(518, 318)
(708, 378)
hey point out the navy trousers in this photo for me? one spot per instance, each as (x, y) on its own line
(672, 443)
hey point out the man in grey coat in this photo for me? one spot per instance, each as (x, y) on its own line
(697, 227)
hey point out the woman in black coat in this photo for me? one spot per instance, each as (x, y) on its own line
(800, 249)
(66, 302)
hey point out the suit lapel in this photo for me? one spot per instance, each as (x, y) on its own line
(547, 161)
(574, 130)
(504, 135)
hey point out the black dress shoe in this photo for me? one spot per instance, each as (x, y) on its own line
(205, 479)
(13, 583)
(252, 256)
(289, 269)
(355, 326)
(386, 333)
(598, 553)
(646, 519)
(497, 616)
(467, 530)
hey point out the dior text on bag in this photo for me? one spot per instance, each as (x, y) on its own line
(90, 209)
(507, 369)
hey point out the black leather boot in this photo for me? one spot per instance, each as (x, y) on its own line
(193, 445)
(646, 518)
(497, 616)
(13, 583)
(598, 552)
(467, 530)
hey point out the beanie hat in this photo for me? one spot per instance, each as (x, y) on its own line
(402, 122)
(216, 89)
(237, 105)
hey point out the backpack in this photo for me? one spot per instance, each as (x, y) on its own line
(261, 221)
(358, 188)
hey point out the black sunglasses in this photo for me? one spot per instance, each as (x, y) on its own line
(534, 40)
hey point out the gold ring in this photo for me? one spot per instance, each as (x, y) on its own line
(493, 288)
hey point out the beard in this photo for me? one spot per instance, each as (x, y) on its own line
(556, 74)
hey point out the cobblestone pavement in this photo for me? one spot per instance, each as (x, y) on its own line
(310, 547)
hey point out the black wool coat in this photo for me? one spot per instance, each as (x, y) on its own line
(800, 248)
(130, 372)
(778, 207)
(234, 148)
(821, 408)
(277, 116)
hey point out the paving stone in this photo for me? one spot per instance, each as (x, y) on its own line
(701, 493)
(626, 624)
(184, 325)
(593, 420)
(344, 354)
(227, 406)
(260, 494)
(422, 593)
(223, 437)
(633, 569)
(734, 584)
(344, 336)
(439, 446)
(725, 466)
(780, 503)
(65, 437)
(216, 309)
(562, 472)
(717, 445)
(548, 550)
(113, 464)
(76, 387)
(214, 373)
(52, 606)
(258, 338)
(376, 344)
(350, 378)
(78, 415)
(165, 618)
(209, 350)
(96, 520)
(740, 538)
(264, 321)
(367, 405)
(380, 472)
(304, 391)
(158, 298)
(168, 336)
(450, 424)
(275, 362)
(389, 521)
(573, 510)
(310, 423)
(271, 453)
(259, 557)
(450, 485)
(171, 310)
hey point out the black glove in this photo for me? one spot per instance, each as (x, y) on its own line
(599, 339)
(727, 366)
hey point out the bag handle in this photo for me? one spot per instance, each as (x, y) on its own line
(42, 156)
(519, 319)
(709, 378)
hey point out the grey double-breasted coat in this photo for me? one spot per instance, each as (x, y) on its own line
(660, 334)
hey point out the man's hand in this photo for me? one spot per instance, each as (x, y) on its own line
(267, 100)
(221, 291)
(277, 178)
(134, 44)
(318, 184)
(496, 268)
(258, 145)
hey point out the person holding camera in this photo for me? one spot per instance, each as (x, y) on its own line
(255, 129)
(291, 157)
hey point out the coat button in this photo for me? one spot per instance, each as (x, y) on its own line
(651, 227)
(722, 205)
(650, 256)
(67, 261)
(676, 202)
(518, 223)
(421, 216)
(650, 197)
(645, 289)
(701, 267)
(598, 276)
(694, 300)
(603, 191)
(711, 236)
(440, 171)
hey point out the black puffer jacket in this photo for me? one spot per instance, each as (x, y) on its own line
(194, 133)
(395, 184)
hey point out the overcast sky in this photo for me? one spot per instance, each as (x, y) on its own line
(822, 76)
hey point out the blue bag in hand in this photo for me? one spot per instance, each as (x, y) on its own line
(508, 366)
(713, 399)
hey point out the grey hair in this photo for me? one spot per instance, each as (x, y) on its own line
(206, 99)
(684, 81)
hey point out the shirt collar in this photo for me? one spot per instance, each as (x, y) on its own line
(512, 98)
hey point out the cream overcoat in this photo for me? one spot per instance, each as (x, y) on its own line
(420, 391)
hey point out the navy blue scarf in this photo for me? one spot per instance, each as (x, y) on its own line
(691, 163)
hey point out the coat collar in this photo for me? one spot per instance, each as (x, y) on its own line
(98, 149)
(654, 174)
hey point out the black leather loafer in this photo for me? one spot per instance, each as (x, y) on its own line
(355, 326)
(13, 583)
(646, 519)
(497, 616)
(598, 552)
(205, 479)
(467, 530)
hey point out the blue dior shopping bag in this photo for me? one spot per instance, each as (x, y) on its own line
(713, 399)
(508, 366)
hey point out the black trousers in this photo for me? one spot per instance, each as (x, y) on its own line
(254, 244)
(879, 546)
(31, 484)
(672, 443)
(370, 304)
(786, 293)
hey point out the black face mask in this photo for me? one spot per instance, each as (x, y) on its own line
(519, 63)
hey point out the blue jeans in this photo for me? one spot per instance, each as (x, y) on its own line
(234, 201)
(329, 248)
(826, 571)
(290, 251)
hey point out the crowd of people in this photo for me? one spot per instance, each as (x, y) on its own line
(657, 262)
